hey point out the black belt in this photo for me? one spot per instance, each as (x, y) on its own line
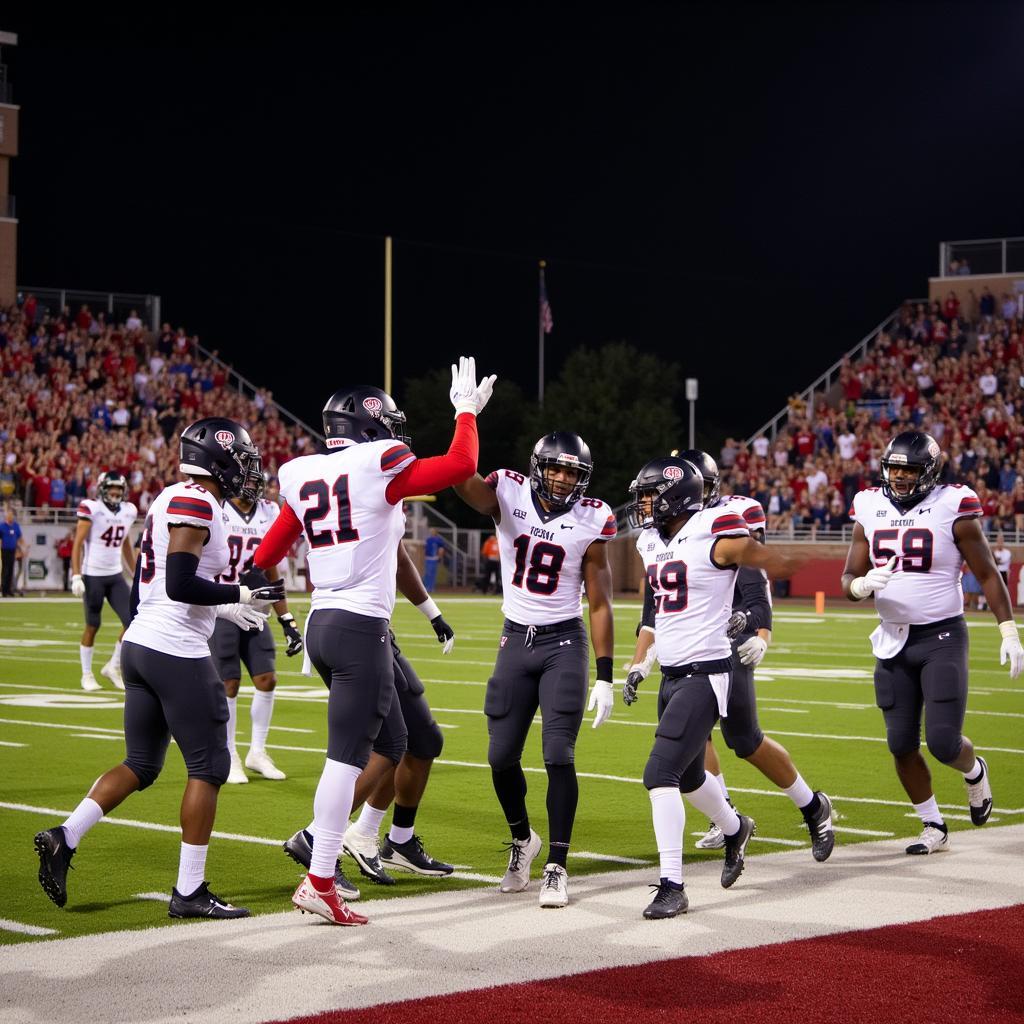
(697, 668)
(916, 629)
(568, 626)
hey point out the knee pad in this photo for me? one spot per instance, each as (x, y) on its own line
(391, 747)
(902, 742)
(944, 744)
(558, 748)
(429, 743)
(148, 772)
(216, 772)
(692, 777)
(659, 774)
(747, 745)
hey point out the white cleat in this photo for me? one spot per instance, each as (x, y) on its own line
(713, 839)
(521, 854)
(931, 840)
(89, 682)
(237, 776)
(259, 761)
(113, 672)
(554, 886)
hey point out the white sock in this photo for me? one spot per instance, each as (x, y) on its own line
(800, 793)
(116, 656)
(720, 779)
(669, 816)
(332, 804)
(85, 656)
(399, 835)
(82, 818)
(708, 799)
(191, 868)
(972, 772)
(232, 724)
(261, 711)
(368, 822)
(929, 811)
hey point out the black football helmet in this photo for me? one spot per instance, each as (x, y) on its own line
(362, 413)
(912, 448)
(222, 449)
(708, 468)
(568, 450)
(676, 486)
(105, 482)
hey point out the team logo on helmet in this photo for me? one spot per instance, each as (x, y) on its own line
(373, 405)
(933, 449)
(224, 438)
(672, 472)
(568, 457)
(898, 459)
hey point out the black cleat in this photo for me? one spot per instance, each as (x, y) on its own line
(411, 856)
(823, 838)
(735, 848)
(979, 795)
(668, 901)
(301, 852)
(202, 903)
(54, 860)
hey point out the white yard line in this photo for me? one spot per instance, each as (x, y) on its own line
(25, 929)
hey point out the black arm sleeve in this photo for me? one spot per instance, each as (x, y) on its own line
(647, 619)
(751, 595)
(184, 585)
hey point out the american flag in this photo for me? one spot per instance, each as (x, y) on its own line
(546, 322)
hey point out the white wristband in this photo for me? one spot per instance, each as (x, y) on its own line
(1008, 630)
(429, 609)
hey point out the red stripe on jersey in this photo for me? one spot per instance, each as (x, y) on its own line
(191, 507)
(729, 522)
(83, 510)
(393, 456)
(754, 515)
(609, 528)
(492, 480)
(969, 504)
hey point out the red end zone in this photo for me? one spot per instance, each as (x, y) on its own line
(968, 967)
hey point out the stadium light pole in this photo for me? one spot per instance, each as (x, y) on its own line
(387, 313)
(691, 397)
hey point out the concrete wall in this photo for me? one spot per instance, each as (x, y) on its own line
(940, 287)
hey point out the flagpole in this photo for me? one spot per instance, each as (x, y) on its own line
(387, 314)
(540, 335)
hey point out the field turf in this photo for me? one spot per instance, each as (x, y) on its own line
(815, 697)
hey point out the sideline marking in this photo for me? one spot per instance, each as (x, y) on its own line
(25, 929)
(587, 855)
(156, 897)
(7, 743)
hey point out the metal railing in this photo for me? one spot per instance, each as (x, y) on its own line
(115, 304)
(982, 256)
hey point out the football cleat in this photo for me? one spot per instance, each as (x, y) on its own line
(300, 851)
(259, 761)
(554, 886)
(735, 848)
(668, 901)
(113, 672)
(934, 838)
(237, 776)
(54, 860)
(203, 903)
(411, 856)
(89, 681)
(365, 851)
(521, 854)
(979, 795)
(329, 905)
(713, 839)
(823, 838)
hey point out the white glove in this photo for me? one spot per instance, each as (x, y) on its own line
(242, 615)
(602, 699)
(77, 586)
(1010, 649)
(874, 579)
(466, 395)
(752, 651)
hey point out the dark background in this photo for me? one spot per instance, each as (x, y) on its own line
(742, 190)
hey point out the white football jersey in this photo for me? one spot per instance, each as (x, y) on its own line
(542, 553)
(244, 534)
(107, 531)
(692, 595)
(750, 508)
(351, 528)
(174, 627)
(926, 584)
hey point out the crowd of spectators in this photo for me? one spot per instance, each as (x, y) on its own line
(82, 394)
(954, 373)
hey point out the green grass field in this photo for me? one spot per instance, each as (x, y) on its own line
(815, 696)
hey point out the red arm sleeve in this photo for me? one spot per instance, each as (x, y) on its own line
(279, 539)
(428, 476)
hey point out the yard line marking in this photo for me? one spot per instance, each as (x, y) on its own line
(7, 743)
(608, 857)
(471, 876)
(59, 725)
(863, 831)
(25, 929)
(952, 817)
(96, 736)
(157, 897)
(785, 711)
(867, 800)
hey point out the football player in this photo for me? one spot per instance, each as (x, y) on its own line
(552, 539)
(750, 629)
(349, 503)
(247, 517)
(910, 540)
(692, 557)
(172, 689)
(102, 534)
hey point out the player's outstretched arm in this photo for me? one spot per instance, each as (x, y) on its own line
(480, 496)
(746, 551)
(597, 582)
(410, 586)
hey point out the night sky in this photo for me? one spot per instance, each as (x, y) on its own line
(745, 190)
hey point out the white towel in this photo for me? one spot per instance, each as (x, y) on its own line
(720, 684)
(889, 639)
